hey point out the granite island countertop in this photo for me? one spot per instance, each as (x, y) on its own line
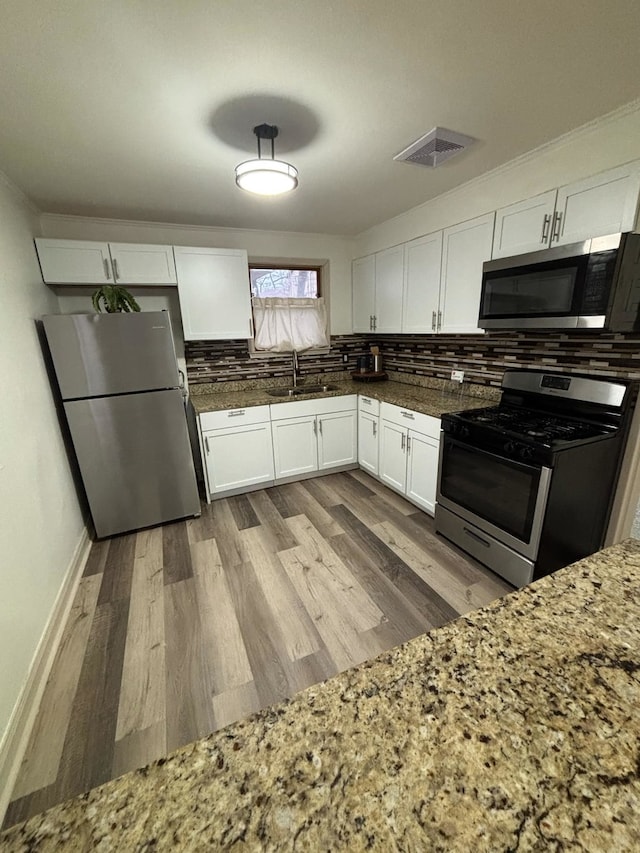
(429, 401)
(516, 727)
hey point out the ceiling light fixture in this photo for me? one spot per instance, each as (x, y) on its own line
(266, 175)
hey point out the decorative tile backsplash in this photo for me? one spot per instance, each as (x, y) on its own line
(482, 357)
(229, 361)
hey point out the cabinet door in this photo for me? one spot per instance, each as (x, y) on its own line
(213, 288)
(237, 457)
(295, 446)
(604, 204)
(139, 264)
(422, 470)
(389, 283)
(368, 442)
(363, 279)
(465, 248)
(525, 226)
(393, 455)
(337, 439)
(422, 267)
(74, 262)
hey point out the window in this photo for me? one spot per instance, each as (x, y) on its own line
(288, 311)
(291, 283)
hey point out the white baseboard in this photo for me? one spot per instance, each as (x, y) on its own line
(16, 736)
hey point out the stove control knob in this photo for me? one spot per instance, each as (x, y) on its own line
(509, 447)
(526, 452)
(463, 431)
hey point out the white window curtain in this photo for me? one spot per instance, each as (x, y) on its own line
(283, 325)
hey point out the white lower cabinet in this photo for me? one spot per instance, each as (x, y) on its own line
(337, 439)
(393, 455)
(422, 470)
(295, 446)
(368, 442)
(368, 433)
(236, 449)
(320, 435)
(409, 449)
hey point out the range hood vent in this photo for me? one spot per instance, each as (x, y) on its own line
(435, 147)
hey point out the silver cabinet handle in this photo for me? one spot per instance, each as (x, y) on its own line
(375, 428)
(403, 441)
(433, 320)
(315, 426)
(365, 400)
(408, 444)
(556, 227)
(370, 322)
(546, 222)
(408, 415)
(106, 269)
(236, 414)
(206, 443)
(375, 322)
(116, 271)
(439, 320)
(320, 425)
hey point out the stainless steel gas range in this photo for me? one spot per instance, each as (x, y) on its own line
(526, 486)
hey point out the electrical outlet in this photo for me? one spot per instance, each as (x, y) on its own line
(345, 358)
(457, 375)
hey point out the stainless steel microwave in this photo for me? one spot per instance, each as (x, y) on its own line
(590, 285)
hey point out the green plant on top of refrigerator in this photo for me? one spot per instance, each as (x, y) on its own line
(112, 298)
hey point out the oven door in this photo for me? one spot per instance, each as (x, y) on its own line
(504, 498)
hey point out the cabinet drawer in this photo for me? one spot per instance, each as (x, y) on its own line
(234, 417)
(320, 406)
(426, 424)
(368, 404)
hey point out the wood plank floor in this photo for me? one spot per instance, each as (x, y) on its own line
(181, 629)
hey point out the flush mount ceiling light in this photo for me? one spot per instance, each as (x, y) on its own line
(266, 175)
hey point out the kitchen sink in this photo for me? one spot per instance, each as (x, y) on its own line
(302, 389)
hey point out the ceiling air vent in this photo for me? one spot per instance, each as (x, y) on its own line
(435, 147)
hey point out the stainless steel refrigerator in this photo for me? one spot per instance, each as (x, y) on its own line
(119, 382)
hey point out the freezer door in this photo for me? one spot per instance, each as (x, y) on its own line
(101, 354)
(135, 459)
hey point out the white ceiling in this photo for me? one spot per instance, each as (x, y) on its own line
(140, 109)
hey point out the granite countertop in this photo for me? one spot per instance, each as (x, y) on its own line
(513, 728)
(429, 401)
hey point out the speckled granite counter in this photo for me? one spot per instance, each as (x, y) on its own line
(429, 401)
(515, 728)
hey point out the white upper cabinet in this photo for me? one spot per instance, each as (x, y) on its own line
(389, 277)
(525, 226)
(465, 248)
(364, 290)
(377, 291)
(602, 204)
(86, 262)
(74, 262)
(215, 299)
(137, 264)
(422, 266)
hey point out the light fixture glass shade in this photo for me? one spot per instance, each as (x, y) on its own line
(266, 177)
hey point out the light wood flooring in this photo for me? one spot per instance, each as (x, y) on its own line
(181, 629)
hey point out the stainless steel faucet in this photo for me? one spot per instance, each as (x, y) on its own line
(294, 366)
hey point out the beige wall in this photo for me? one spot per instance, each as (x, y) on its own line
(261, 246)
(610, 141)
(40, 521)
